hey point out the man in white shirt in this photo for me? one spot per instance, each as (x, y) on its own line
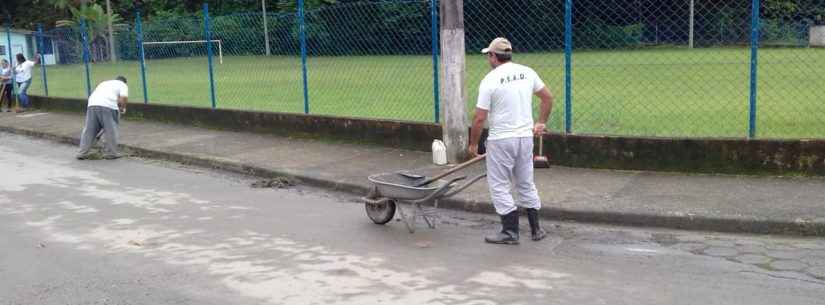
(505, 97)
(106, 103)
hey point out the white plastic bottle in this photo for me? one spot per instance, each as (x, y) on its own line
(439, 153)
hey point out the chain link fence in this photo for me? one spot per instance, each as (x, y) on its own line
(175, 60)
(536, 30)
(62, 52)
(791, 70)
(106, 63)
(661, 68)
(687, 68)
(371, 59)
(251, 77)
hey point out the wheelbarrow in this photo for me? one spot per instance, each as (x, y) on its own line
(389, 189)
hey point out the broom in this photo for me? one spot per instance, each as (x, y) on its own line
(540, 160)
(12, 102)
(3, 96)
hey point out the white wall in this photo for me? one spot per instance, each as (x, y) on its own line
(18, 44)
(817, 36)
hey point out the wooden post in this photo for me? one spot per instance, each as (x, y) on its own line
(452, 92)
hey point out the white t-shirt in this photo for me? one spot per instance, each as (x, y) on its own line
(23, 72)
(507, 93)
(5, 72)
(107, 92)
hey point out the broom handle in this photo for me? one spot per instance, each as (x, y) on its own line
(541, 144)
(3, 97)
(453, 170)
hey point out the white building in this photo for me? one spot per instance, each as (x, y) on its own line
(817, 36)
(23, 41)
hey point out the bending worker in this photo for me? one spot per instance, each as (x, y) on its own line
(106, 104)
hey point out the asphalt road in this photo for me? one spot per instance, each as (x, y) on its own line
(133, 231)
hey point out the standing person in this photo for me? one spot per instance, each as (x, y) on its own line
(105, 104)
(6, 85)
(23, 77)
(505, 96)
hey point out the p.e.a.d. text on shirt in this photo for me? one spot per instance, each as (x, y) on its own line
(510, 78)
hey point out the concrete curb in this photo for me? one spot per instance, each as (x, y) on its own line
(684, 222)
(737, 156)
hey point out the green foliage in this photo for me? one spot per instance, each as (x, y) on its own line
(97, 24)
(780, 33)
(599, 35)
(291, 5)
(808, 11)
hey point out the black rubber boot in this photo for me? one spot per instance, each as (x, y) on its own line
(536, 232)
(509, 230)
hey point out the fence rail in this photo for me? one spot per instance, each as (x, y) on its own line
(686, 68)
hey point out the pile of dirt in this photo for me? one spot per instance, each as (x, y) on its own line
(277, 182)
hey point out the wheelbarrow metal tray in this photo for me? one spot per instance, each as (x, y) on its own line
(395, 186)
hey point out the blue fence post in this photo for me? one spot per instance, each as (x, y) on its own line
(303, 37)
(568, 66)
(11, 63)
(139, 32)
(754, 57)
(434, 34)
(85, 40)
(41, 43)
(208, 37)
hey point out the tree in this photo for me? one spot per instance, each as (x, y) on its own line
(291, 5)
(96, 22)
(28, 14)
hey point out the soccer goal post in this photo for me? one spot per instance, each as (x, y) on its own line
(220, 48)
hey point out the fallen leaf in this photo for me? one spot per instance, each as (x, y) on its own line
(423, 244)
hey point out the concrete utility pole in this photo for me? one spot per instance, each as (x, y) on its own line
(452, 92)
(111, 35)
(266, 30)
(692, 16)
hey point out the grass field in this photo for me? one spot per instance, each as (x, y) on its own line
(667, 92)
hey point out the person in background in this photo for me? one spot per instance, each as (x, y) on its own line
(5, 85)
(23, 77)
(105, 104)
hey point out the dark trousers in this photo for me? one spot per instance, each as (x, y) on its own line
(6, 96)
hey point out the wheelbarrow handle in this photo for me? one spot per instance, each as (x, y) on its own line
(453, 170)
(466, 185)
(440, 191)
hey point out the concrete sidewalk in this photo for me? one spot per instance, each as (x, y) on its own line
(774, 205)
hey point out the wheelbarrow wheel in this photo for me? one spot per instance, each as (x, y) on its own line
(381, 213)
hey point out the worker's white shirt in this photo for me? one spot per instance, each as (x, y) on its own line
(507, 93)
(23, 72)
(107, 92)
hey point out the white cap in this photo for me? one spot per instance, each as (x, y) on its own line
(499, 45)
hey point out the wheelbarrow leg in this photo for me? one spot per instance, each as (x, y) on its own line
(429, 214)
(431, 221)
(408, 221)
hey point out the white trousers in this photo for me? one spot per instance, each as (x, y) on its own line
(509, 167)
